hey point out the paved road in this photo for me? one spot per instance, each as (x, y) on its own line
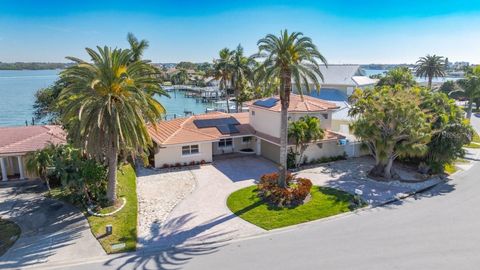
(439, 229)
(51, 230)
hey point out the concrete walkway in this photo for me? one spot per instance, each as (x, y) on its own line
(51, 230)
(203, 217)
(349, 175)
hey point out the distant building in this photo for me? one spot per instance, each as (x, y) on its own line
(342, 79)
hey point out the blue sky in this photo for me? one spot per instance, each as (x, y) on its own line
(387, 31)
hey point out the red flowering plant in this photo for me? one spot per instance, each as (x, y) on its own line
(294, 194)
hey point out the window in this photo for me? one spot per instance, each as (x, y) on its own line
(253, 113)
(190, 150)
(225, 143)
(246, 139)
(325, 115)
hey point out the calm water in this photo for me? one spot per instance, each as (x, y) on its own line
(17, 89)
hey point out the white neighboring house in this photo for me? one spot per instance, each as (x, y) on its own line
(202, 137)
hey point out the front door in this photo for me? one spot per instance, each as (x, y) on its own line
(225, 146)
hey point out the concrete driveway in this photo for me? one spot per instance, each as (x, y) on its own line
(203, 216)
(51, 230)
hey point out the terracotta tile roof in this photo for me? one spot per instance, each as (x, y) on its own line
(21, 140)
(329, 136)
(183, 130)
(299, 104)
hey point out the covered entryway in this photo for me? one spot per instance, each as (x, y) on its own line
(270, 151)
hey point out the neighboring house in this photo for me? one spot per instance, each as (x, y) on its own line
(17, 142)
(343, 79)
(202, 137)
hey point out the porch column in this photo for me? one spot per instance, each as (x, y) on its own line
(3, 166)
(20, 167)
(259, 146)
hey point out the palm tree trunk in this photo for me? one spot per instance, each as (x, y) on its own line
(283, 147)
(285, 101)
(470, 108)
(430, 82)
(112, 175)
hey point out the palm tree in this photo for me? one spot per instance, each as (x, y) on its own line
(287, 57)
(397, 76)
(108, 104)
(430, 66)
(470, 89)
(38, 163)
(136, 47)
(306, 130)
(224, 71)
(241, 71)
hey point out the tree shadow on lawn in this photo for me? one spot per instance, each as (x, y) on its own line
(47, 225)
(173, 244)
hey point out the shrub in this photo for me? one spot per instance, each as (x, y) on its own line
(165, 166)
(203, 162)
(192, 163)
(294, 194)
(178, 164)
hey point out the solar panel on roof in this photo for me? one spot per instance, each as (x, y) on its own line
(267, 103)
(205, 123)
(227, 129)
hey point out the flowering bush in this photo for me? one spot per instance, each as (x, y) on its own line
(294, 194)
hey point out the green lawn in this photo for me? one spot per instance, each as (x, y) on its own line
(325, 202)
(9, 233)
(450, 168)
(476, 138)
(124, 222)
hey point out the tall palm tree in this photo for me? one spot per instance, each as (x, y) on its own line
(242, 70)
(108, 104)
(224, 71)
(137, 47)
(289, 57)
(430, 66)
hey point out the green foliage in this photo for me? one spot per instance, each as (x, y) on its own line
(451, 89)
(107, 104)
(186, 65)
(32, 66)
(85, 179)
(136, 47)
(289, 58)
(304, 131)
(124, 222)
(39, 163)
(430, 66)
(293, 195)
(470, 89)
(391, 123)
(397, 76)
(324, 202)
(46, 107)
(180, 77)
(450, 131)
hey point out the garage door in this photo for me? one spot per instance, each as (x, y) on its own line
(270, 151)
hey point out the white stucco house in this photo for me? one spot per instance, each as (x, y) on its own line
(203, 137)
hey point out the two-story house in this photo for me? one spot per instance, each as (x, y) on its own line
(202, 137)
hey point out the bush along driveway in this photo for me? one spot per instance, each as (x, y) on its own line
(124, 222)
